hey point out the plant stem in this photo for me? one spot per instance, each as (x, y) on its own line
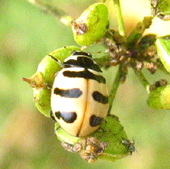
(114, 88)
(138, 31)
(119, 17)
(143, 80)
(62, 16)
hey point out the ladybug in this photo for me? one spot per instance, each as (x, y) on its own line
(79, 95)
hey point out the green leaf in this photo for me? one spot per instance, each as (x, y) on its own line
(108, 143)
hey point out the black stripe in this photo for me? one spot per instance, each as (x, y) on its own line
(84, 74)
(97, 96)
(70, 93)
(68, 117)
(84, 62)
(95, 121)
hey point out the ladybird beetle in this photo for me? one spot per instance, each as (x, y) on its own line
(79, 98)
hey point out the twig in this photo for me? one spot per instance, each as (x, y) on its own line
(119, 17)
(62, 16)
(143, 80)
(115, 86)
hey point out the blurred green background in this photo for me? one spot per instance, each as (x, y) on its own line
(27, 138)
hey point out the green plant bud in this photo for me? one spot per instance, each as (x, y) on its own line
(41, 99)
(63, 136)
(146, 41)
(160, 98)
(109, 143)
(163, 49)
(48, 66)
(36, 80)
(41, 93)
(138, 31)
(42, 80)
(161, 8)
(90, 27)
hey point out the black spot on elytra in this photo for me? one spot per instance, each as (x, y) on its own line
(68, 117)
(69, 93)
(95, 121)
(97, 96)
